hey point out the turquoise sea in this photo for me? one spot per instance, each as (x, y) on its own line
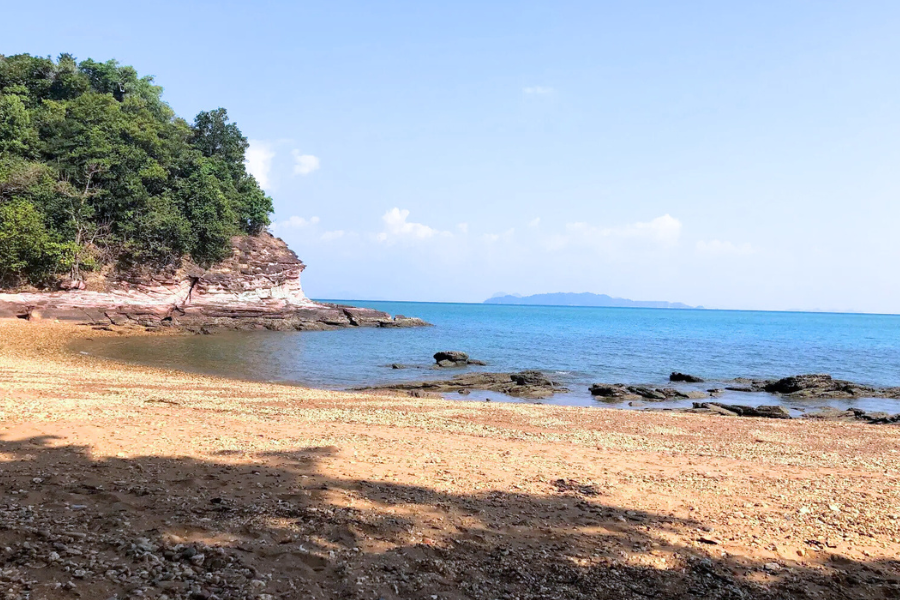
(576, 345)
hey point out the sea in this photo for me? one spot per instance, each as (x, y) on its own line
(576, 346)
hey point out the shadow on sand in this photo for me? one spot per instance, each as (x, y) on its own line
(273, 526)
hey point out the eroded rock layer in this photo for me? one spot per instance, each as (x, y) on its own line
(257, 287)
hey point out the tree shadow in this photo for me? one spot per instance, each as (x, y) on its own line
(159, 527)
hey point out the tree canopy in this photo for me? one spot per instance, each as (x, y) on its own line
(96, 169)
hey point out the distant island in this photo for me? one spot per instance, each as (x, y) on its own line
(582, 299)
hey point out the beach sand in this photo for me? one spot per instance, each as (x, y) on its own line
(120, 481)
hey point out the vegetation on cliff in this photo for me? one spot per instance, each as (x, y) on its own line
(96, 169)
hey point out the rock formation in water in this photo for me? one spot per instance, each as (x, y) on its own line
(524, 384)
(257, 287)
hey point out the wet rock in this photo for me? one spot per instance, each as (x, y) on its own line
(450, 359)
(684, 377)
(852, 415)
(610, 390)
(451, 356)
(645, 392)
(766, 411)
(524, 384)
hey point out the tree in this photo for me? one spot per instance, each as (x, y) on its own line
(91, 151)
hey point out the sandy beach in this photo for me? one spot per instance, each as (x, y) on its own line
(119, 481)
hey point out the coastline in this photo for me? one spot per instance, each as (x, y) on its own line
(368, 494)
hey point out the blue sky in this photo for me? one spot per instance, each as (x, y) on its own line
(734, 155)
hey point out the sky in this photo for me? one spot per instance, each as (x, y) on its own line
(725, 154)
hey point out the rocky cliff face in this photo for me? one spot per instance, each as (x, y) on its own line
(257, 287)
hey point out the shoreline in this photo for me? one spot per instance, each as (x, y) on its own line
(802, 396)
(288, 492)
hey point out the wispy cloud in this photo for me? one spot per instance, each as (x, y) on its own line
(329, 236)
(538, 90)
(719, 248)
(534, 222)
(304, 164)
(258, 159)
(397, 227)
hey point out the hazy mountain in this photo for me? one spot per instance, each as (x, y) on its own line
(583, 299)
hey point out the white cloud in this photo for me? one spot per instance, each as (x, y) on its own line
(534, 222)
(333, 235)
(719, 248)
(294, 222)
(304, 164)
(463, 228)
(538, 90)
(397, 227)
(258, 159)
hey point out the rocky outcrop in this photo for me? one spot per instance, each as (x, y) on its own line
(739, 410)
(676, 376)
(620, 391)
(257, 287)
(852, 415)
(524, 384)
(453, 358)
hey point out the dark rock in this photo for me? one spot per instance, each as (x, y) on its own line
(676, 376)
(767, 411)
(531, 378)
(823, 386)
(645, 392)
(790, 385)
(451, 356)
(828, 413)
(526, 384)
(479, 363)
(607, 390)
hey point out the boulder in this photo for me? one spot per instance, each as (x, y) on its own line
(609, 390)
(676, 376)
(452, 356)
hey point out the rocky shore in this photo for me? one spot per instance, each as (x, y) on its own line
(257, 287)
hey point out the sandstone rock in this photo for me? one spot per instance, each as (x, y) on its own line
(257, 287)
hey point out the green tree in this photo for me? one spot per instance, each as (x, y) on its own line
(112, 174)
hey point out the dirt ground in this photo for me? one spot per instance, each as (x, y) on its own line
(119, 481)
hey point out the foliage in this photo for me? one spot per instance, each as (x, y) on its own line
(94, 165)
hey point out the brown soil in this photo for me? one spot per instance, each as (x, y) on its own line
(120, 482)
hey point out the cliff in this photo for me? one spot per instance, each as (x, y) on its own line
(257, 287)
